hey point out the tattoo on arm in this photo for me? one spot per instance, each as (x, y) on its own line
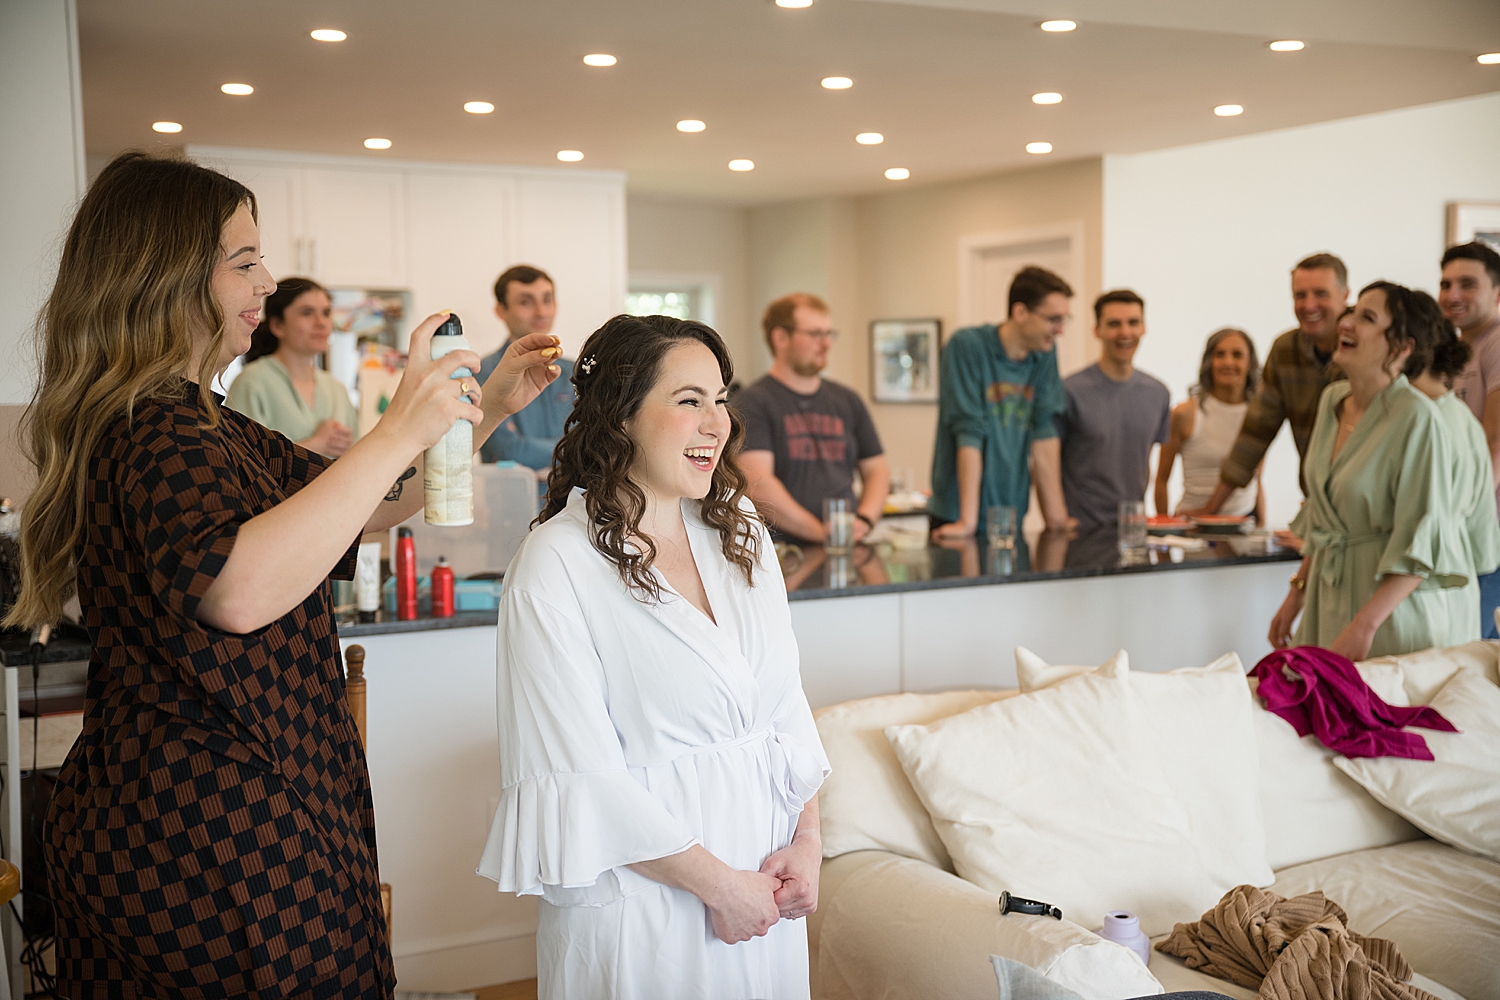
(399, 485)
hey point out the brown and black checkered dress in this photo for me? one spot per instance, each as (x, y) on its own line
(212, 832)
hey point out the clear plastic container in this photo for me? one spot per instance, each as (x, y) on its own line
(504, 504)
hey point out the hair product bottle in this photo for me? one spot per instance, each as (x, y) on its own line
(406, 575)
(448, 473)
(442, 589)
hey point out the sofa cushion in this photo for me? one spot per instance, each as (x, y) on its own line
(1203, 719)
(1062, 795)
(1454, 797)
(1421, 675)
(866, 803)
(894, 927)
(1440, 905)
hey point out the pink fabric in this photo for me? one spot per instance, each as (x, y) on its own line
(1321, 692)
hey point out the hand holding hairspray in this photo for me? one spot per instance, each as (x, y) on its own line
(448, 472)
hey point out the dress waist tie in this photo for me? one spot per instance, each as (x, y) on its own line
(792, 788)
(1333, 547)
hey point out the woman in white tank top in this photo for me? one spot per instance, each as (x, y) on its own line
(1205, 426)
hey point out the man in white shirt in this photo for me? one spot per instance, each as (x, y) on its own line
(1470, 298)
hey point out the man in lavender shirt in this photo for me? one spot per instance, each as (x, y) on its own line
(1470, 298)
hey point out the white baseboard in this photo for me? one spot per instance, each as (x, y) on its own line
(508, 955)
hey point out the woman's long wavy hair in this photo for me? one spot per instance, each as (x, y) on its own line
(1205, 386)
(288, 290)
(132, 299)
(618, 367)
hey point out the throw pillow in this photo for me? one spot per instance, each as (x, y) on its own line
(1456, 796)
(1022, 982)
(1062, 795)
(1203, 720)
(866, 803)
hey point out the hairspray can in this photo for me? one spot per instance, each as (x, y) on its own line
(442, 589)
(448, 469)
(406, 575)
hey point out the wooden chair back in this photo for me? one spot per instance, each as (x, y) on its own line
(355, 687)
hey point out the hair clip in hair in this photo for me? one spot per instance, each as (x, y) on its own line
(587, 365)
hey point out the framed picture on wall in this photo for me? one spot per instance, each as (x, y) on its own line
(904, 360)
(1474, 220)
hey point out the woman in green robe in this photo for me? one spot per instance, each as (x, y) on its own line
(1386, 566)
(1472, 473)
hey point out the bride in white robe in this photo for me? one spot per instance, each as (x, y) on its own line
(635, 734)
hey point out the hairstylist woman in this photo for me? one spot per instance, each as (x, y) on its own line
(1473, 482)
(1385, 565)
(280, 386)
(660, 763)
(211, 833)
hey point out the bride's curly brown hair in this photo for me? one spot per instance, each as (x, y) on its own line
(616, 369)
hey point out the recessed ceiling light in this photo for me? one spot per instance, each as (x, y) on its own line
(569, 155)
(1058, 25)
(1489, 59)
(794, 4)
(377, 144)
(1046, 97)
(897, 174)
(1039, 147)
(690, 125)
(328, 35)
(478, 107)
(238, 89)
(741, 165)
(1287, 45)
(1228, 110)
(600, 59)
(869, 138)
(844, 83)
(166, 127)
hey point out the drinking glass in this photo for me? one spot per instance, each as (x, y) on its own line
(838, 516)
(1000, 526)
(1132, 526)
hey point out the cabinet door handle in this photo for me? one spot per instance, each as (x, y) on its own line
(313, 248)
(297, 255)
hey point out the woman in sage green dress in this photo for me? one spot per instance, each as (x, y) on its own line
(1386, 565)
(1472, 473)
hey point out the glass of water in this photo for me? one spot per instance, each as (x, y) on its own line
(838, 518)
(1000, 527)
(1132, 526)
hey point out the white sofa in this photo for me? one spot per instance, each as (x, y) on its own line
(894, 921)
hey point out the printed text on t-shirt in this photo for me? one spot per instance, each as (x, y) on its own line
(811, 437)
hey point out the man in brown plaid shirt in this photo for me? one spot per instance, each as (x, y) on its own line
(1297, 370)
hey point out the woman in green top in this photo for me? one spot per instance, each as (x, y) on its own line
(1472, 473)
(280, 387)
(1385, 562)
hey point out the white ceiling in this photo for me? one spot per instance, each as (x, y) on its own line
(947, 81)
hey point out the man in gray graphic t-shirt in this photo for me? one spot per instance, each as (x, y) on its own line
(1113, 415)
(805, 437)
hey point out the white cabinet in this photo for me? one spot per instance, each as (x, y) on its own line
(462, 236)
(354, 227)
(442, 231)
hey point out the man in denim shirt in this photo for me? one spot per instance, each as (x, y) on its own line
(525, 302)
(998, 400)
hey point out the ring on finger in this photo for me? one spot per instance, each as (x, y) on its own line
(463, 388)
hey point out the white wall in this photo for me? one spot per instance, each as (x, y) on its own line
(41, 168)
(1208, 234)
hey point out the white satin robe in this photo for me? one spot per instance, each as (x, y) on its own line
(631, 731)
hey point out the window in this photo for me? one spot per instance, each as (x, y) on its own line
(682, 303)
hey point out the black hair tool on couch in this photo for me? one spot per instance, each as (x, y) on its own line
(1020, 904)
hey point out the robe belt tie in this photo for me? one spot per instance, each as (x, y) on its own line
(786, 753)
(1332, 547)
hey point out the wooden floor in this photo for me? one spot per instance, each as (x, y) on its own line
(523, 990)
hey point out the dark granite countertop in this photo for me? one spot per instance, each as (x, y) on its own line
(1046, 556)
(812, 574)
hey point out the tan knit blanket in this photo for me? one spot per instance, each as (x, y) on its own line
(1291, 949)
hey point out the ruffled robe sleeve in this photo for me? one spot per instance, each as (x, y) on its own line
(570, 815)
(1428, 534)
